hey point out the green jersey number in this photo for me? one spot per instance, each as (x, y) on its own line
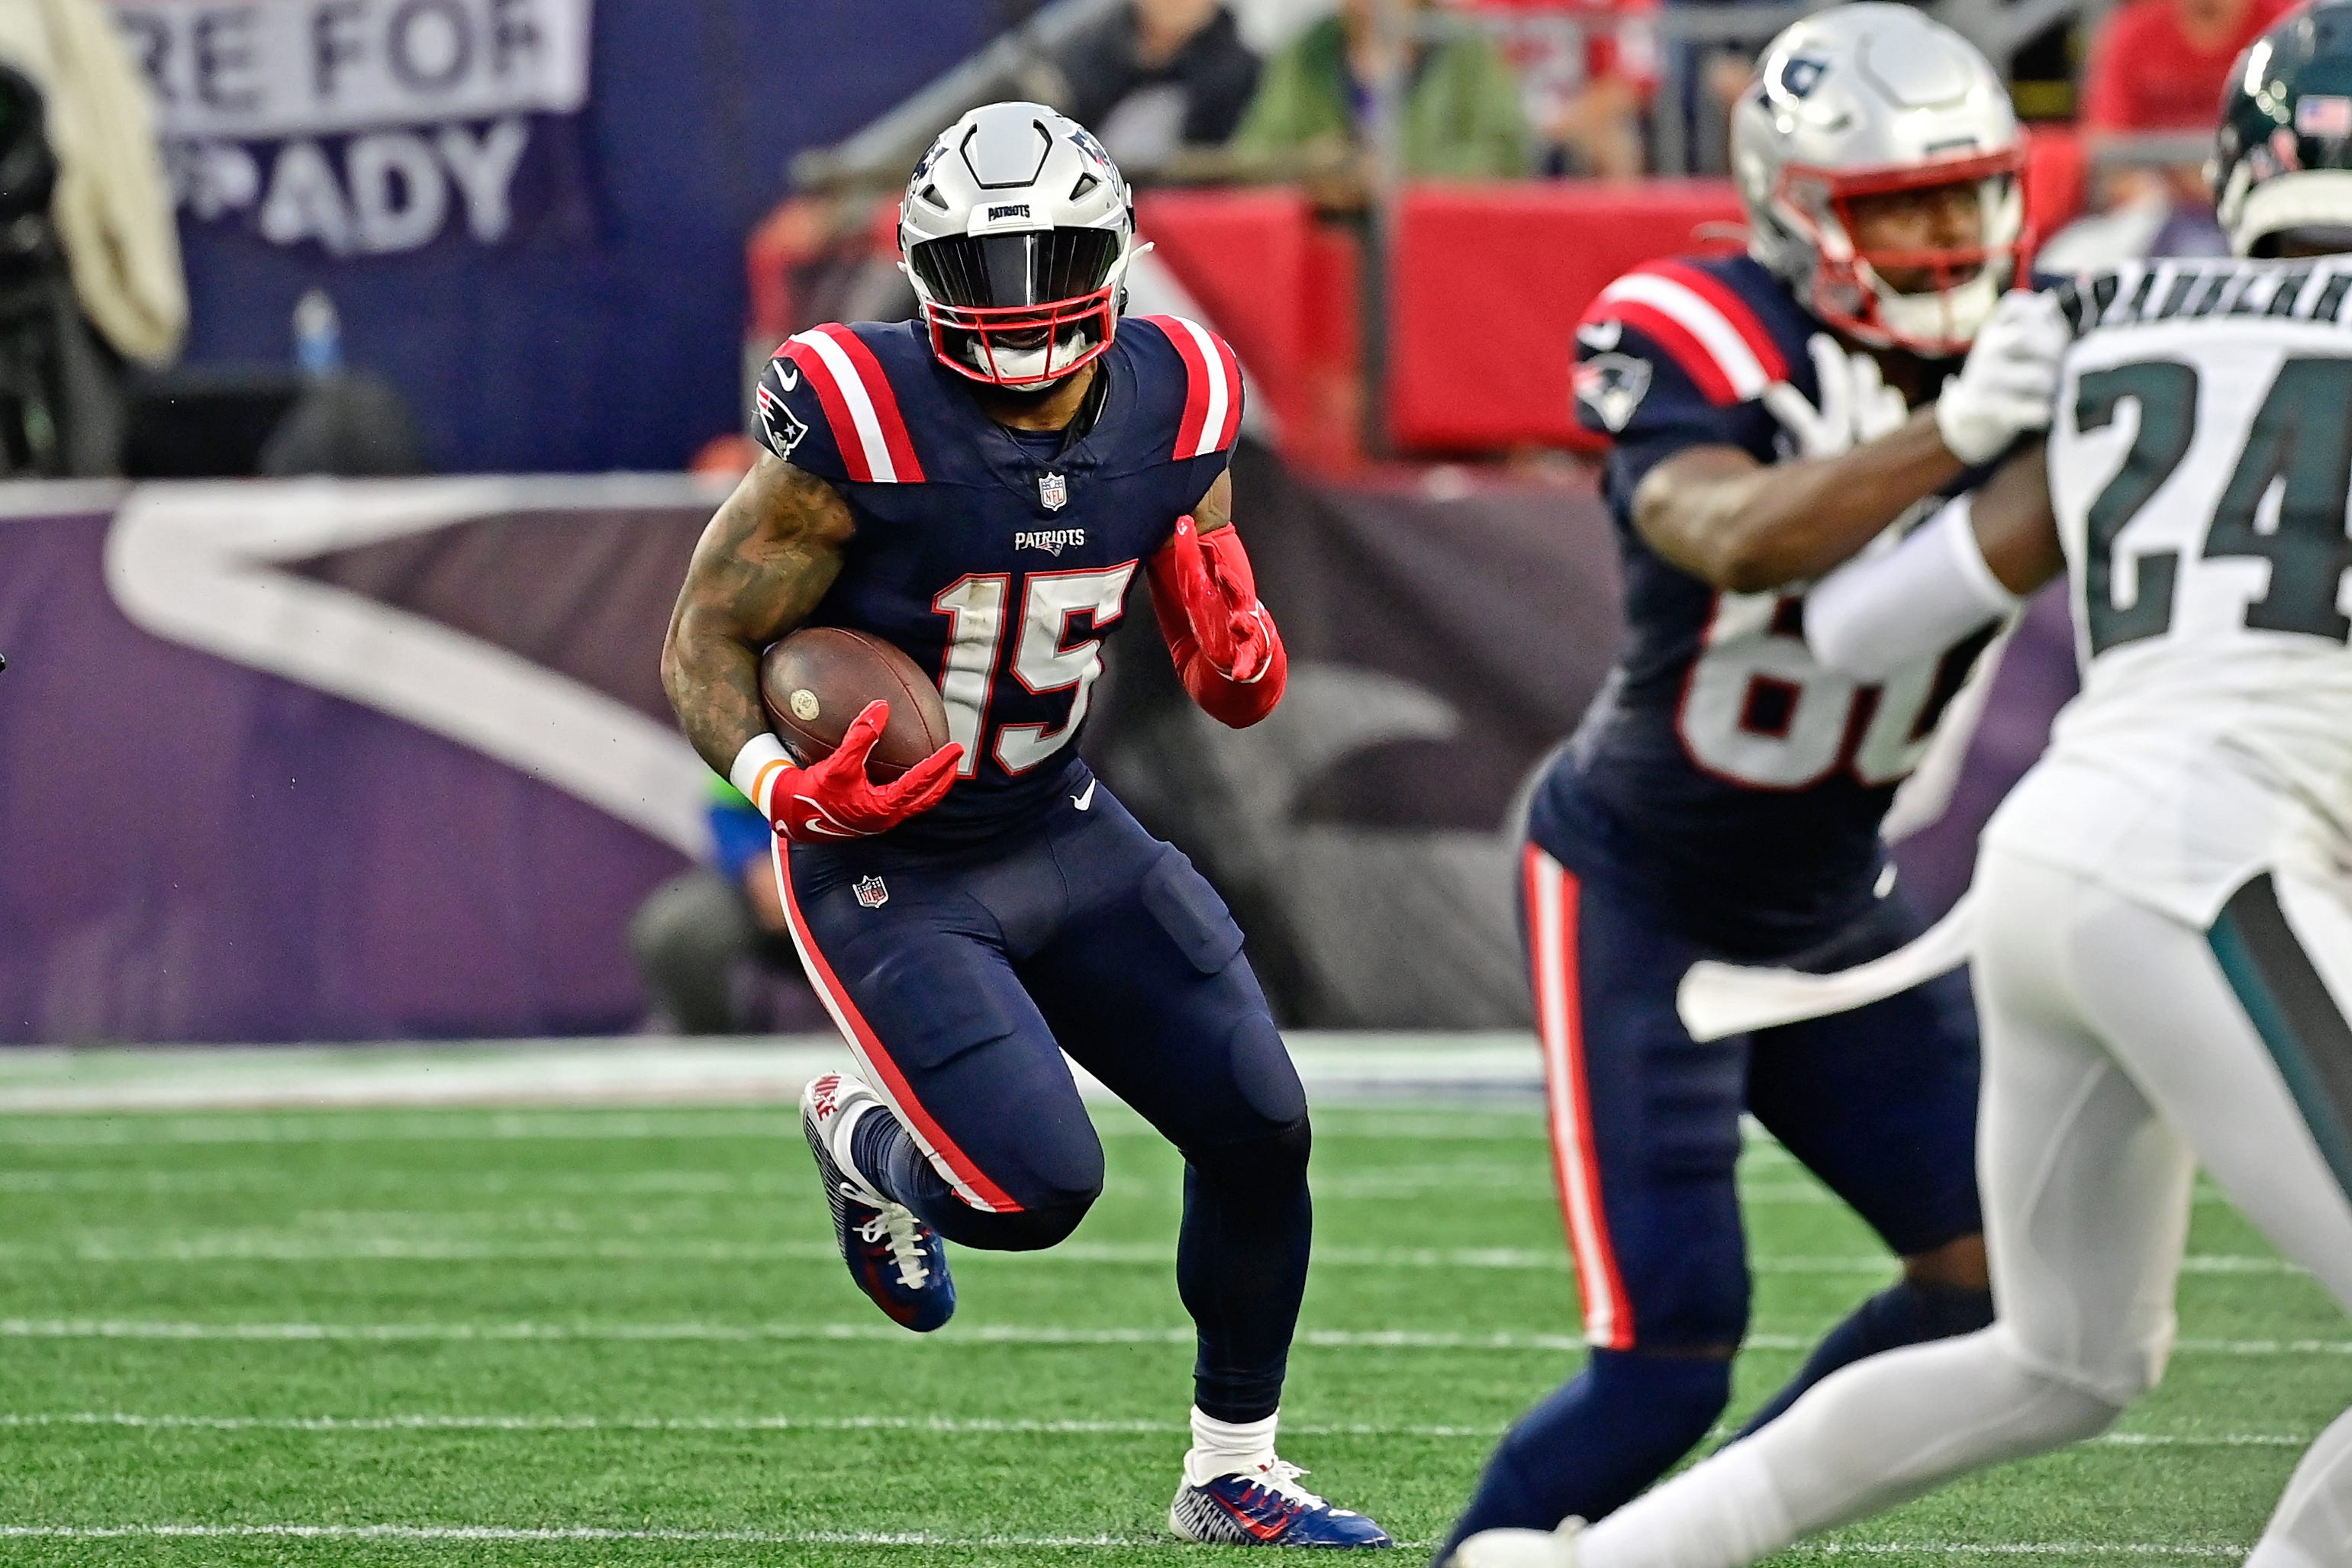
(2301, 445)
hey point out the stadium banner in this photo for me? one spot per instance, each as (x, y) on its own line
(354, 760)
(367, 126)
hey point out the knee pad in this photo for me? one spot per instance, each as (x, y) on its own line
(2063, 1405)
(1267, 1163)
(1022, 1230)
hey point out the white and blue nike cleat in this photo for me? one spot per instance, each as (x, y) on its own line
(1266, 1507)
(896, 1259)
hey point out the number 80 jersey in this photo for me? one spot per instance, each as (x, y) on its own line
(998, 560)
(1740, 783)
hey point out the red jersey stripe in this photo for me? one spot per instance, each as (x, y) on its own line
(1196, 384)
(1678, 340)
(813, 364)
(1233, 368)
(906, 468)
(1731, 308)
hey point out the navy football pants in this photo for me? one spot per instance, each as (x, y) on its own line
(1880, 1102)
(961, 978)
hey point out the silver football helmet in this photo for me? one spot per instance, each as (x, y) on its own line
(1017, 232)
(1868, 99)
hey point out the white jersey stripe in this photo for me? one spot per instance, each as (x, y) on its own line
(1212, 422)
(859, 403)
(1703, 321)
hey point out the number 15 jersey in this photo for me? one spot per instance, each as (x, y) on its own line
(997, 560)
(2200, 465)
(1742, 784)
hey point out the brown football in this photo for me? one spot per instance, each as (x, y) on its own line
(817, 680)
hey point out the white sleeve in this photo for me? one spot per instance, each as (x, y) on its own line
(1879, 612)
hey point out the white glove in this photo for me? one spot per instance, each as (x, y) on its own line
(2010, 379)
(1857, 405)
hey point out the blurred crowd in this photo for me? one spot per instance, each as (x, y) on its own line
(1509, 89)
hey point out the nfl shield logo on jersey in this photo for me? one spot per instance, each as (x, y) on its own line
(1053, 492)
(870, 891)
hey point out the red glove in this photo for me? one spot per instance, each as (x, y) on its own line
(1227, 651)
(834, 800)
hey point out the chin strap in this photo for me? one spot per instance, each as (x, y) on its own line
(1226, 650)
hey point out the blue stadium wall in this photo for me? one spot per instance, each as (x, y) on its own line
(608, 336)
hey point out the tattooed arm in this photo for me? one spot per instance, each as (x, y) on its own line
(766, 560)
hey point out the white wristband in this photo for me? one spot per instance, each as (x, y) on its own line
(758, 766)
(1872, 616)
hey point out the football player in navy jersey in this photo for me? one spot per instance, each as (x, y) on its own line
(1722, 796)
(978, 487)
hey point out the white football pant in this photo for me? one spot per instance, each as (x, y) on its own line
(2118, 1058)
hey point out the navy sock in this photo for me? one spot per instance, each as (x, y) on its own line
(1241, 1268)
(887, 1156)
(1902, 1314)
(1593, 1446)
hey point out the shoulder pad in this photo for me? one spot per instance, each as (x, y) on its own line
(1211, 417)
(1699, 321)
(826, 405)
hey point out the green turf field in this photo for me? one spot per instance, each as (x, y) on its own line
(620, 1337)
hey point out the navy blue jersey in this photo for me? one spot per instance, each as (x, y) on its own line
(1749, 780)
(995, 559)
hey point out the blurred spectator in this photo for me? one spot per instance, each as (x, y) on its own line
(90, 258)
(1158, 75)
(1461, 114)
(1586, 69)
(703, 939)
(2157, 65)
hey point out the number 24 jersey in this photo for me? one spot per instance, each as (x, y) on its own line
(998, 560)
(2199, 464)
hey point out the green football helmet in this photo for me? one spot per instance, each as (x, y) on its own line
(2282, 158)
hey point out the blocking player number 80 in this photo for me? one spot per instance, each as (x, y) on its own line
(1043, 659)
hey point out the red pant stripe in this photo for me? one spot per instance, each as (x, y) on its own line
(1552, 895)
(969, 1181)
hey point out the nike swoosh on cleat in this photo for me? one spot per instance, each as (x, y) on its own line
(1264, 1529)
(1084, 799)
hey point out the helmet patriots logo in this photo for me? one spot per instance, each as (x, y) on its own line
(1800, 73)
(1613, 386)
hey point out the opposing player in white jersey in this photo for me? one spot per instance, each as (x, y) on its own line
(2163, 949)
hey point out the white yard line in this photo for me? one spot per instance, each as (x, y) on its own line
(642, 1071)
(483, 1533)
(467, 1124)
(280, 1246)
(430, 1422)
(979, 1333)
(487, 1533)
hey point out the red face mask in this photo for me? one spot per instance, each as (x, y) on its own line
(1852, 290)
(1021, 310)
(1022, 345)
